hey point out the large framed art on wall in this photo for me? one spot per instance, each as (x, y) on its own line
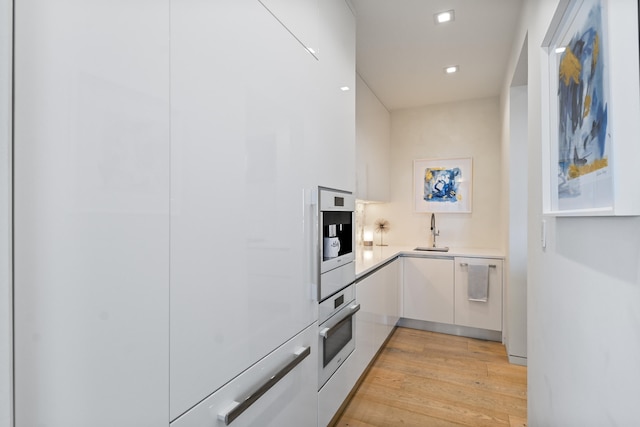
(590, 110)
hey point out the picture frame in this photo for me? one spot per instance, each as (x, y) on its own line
(590, 68)
(443, 185)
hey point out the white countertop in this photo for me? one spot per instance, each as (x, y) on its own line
(368, 258)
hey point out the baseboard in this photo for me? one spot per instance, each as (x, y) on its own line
(518, 360)
(445, 328)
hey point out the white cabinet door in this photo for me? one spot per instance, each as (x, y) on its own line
(333, 158)
(477, 314)
(387, 303)
(335, 391)
(365, 327)
(428, 289)
(91, 218)
(243, 103)
(378, 296)
(373, 145)
(280, 390)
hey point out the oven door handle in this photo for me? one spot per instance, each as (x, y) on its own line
(327, 332)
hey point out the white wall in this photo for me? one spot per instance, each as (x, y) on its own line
(373, 147)
(584, 289)
(5, 214)
(460, 129)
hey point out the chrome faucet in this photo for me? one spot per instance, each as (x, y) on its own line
(434, 233)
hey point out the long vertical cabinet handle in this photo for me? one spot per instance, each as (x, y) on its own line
(237, 408)
(312, 239)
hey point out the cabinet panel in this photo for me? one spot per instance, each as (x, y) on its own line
(373, 145)
(242, 98)
(292, 401)
(365, 327)
(378, 296)
(91, 220)
(334, 155)
(428, 289)
(477, 314)
(300, 18)
(389, 297)
(335, 391)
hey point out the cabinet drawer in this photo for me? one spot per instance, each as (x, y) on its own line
(291, 401)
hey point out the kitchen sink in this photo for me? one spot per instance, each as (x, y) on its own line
(432, 249)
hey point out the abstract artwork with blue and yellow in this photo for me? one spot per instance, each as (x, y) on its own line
(441, 185)
(582, 106)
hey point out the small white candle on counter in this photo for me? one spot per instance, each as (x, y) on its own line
(367, 240)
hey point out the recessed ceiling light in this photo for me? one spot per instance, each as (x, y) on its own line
(560, 49)
(452, 69)
(443, 17)
(311, 50)
(344, 88)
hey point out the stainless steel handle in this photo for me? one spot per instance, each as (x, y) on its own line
(327, 332)
(237, 408)
(464, 264)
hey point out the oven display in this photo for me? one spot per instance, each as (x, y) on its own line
(338, 301)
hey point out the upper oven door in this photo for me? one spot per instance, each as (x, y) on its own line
(336, 228)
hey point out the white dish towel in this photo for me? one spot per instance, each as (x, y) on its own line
(478, 288)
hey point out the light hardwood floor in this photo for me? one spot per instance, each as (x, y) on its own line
(428, 379)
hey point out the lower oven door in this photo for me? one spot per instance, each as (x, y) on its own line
(336, 341)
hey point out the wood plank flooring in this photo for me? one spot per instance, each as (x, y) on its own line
(428, 379)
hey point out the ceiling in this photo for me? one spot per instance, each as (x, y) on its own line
(401, 53)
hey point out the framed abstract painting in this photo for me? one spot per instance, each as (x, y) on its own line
(442, 185)
(585, 164)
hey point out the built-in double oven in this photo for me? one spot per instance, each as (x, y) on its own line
(336, 290)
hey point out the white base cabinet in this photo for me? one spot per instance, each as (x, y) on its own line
(292, 401)
(378, 296)
(335, 391)
(428, 289)
(436, 290)
(477, 314)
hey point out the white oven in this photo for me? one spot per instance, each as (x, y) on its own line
(336, 333)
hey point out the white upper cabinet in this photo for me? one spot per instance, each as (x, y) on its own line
(373, 145)
(91, 217)
(333, 158)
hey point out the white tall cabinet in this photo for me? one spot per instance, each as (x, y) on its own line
(6, 306)
(166, 153)
(91, 204)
